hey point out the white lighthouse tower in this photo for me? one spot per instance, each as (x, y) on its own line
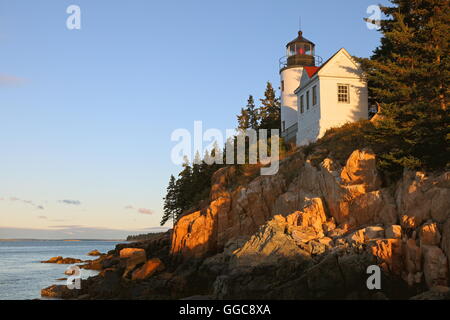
(299, 54)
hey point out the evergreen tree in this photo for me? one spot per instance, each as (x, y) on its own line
(171, 211)
(270, 109)
(249, 116)
(184, 187)
(243, 119)
(408, 78)
(253, 114)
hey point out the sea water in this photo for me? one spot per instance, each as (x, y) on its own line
(22, 275)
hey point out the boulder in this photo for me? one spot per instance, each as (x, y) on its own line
(311, 215)
(429, 234)
(374, 232)
(220, 181)
(357, 237)
(228, 216)
(268, 246)
(53, 260)
(412, 257)
(303, 234)
(409, 223)
(389, 254)
(329, 226)
(61, 260)
(440, 203)
(435, 266)
(421, 197)
(366, 234)
(134, 260)
(128, 252)
(337, 232)
(59, 292)
(148, 269)
(326, 241)
(361, 169)
(94, 253)
(393, 232)
(106, 285)
(195, 235)
(376, 206)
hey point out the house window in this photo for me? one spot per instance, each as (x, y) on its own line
(283, 126)
(343, 93)
(307, 100)
(282, 85)
(302, 104)
(314, 95)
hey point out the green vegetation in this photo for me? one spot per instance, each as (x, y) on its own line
(192, 186)
(142, 237)
(408, 77)
(267, 116)
(339, 143)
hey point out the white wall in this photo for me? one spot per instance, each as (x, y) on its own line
(336, 114)
(308, 121)
(341, 69)
(291, 78)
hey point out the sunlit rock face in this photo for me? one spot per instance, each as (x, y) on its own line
(309, 232)
(306, 211)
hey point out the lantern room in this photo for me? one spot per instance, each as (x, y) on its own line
(300, 52)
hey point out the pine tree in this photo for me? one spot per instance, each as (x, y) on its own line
(253, 114)
(249, 116)
(184, 187)
(408, 78)
(196, 175)
(270, 109)
(171, 211)
(243, 119)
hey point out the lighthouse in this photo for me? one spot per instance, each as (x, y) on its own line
(300, 54)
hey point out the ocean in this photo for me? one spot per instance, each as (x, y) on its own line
(22, 276)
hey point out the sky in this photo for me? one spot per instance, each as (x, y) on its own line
(86, 115)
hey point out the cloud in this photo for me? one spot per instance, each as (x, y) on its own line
(28, 202)
(11, 81)
(71, 202)
(139, 210)
(145, 211)
(42, 217)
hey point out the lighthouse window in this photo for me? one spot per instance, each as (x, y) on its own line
(343, 93)
(282, 85)
(307, 49)
(314, 95)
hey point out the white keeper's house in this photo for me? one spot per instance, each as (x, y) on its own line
(316, 96)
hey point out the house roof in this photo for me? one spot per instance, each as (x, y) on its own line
(312, 71)
(300, 38)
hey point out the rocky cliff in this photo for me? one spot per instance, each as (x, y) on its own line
(308, 232)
